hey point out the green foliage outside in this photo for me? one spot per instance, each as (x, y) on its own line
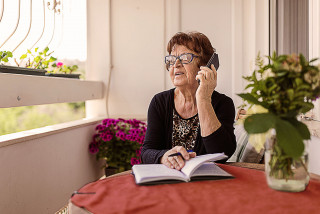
(4, 56)
(38, 60)
(30, 117)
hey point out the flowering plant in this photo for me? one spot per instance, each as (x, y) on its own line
(37, 60)
(284, 88)
(59, 67)
(119, 142)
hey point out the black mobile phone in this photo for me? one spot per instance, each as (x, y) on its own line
(214, 59)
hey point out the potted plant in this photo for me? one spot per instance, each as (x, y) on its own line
(61, 70)
(37, 63)
(4, 68)
(119, 142)
(282, 89)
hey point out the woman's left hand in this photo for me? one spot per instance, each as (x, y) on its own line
(208, 82)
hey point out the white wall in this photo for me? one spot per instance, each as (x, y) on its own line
(39, 175)
(137, 50)
(314, 160)
(138, 34)
(314, 44)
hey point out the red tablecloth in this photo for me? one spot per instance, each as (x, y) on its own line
(246, 193)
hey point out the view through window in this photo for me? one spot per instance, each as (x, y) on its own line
(59, 25)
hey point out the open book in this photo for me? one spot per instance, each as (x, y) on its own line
(198, 168)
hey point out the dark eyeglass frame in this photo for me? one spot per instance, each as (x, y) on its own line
(179, 57)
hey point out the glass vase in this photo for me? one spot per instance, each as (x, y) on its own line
(283, 173)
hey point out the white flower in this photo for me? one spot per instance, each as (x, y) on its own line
(267, 73)
(258, 140)
(256, 109)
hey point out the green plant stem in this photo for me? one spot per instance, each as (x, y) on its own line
(304, 166)
(36, 67)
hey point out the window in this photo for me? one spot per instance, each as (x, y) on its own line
(37, 23)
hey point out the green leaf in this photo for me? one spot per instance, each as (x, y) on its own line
(306, 107)
(259, 123)
(289, 139)
(290, 93)
(303, 60)
(315, 59)
(23, 56)
(250, 98)
(302, 128)
(52, 59)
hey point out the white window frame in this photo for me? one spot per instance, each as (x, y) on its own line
(25, 90)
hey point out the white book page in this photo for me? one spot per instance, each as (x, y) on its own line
(210, 169)
(192, 164)
(155, 172)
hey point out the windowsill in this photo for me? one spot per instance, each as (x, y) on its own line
(26, 90)
(20, 137)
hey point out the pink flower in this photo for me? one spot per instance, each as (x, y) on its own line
(93, 148)
(100, 127)
(134, 131)
(59, 64)
(128, 137)
(135, 137)
(140, 139)
(106, 137)
(134, 161)
(105, 121)
(138, 152)
(121, 135)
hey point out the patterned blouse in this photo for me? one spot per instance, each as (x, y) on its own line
(185, 131)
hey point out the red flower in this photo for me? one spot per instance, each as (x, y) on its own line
(59, 64)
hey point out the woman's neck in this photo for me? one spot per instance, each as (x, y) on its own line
(185, 102)
(186, 95)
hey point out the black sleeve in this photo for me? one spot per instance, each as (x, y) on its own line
(222, 140)
(154, 144)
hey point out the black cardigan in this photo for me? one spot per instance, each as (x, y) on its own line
(158, 139)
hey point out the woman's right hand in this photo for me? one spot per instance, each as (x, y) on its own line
(176, 162)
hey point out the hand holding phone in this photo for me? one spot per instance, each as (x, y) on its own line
(214, 59)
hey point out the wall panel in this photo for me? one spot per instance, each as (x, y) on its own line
(137, 35)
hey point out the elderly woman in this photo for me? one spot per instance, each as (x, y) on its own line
(191, 116)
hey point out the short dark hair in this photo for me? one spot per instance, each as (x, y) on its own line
(194, 41)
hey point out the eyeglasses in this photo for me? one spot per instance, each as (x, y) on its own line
(184, 59)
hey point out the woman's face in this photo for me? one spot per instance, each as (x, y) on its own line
(183, 74)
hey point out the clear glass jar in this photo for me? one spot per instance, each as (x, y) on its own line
(292, 176)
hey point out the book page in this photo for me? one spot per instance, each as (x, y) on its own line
(210, 169)
(155, 172)
(192, 164)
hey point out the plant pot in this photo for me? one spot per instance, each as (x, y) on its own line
(283, 173)
(110, 170)
(21, 70)
(74, 76)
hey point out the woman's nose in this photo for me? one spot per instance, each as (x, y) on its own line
(177, 63)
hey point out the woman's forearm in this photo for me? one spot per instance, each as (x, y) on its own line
(209, 122)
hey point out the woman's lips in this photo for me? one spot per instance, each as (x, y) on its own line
(178, 73)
